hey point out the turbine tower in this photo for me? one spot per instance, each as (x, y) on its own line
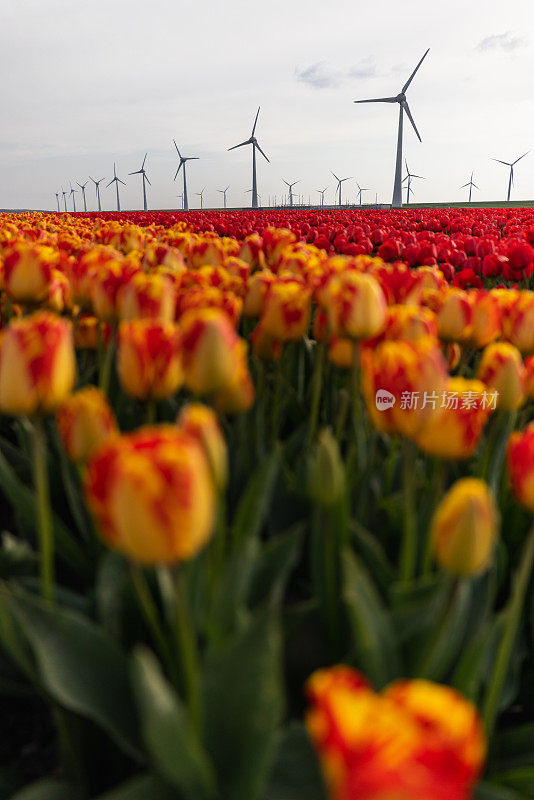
(470, 184)
(82, 187)
(408, 177)
(183, 159)
(143, 173)
(511, 165)
(57, 198)
(201, 195)
(291, 190)
(72, 193)
(360, 191)
(64, 193)
(254, 142)
(321, 192)
(223, 192)
(403, 107)
(97, 188)
(116, 181)
(339, 182)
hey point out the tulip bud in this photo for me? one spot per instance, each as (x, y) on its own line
(201, 422)
(501, 368)
(286, 312)
(84, 421)
(486, 322)
(147, 296)
(37, 364)
(256, 289)
(149, 360)
(464, 528)
(87, 330)
(152, 495)
(520, 457)
(28, 272)
(520, 329)
(355, 305)
(326, 473)
(238, 394)
(455, 315)
(209, 350)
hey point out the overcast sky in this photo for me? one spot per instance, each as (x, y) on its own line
(87, 83)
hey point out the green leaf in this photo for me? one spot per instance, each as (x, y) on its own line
(23, 500)
(78, 665)
(274, 565)
(243, 706)
(520, 779)
(373, 633)
(489, 791)
(174, 750)
(142, 787)
(295, 774)
(254, 504)
(373, 555)
(471, 667)
(47, 789)
(515, 747)
(114, 598)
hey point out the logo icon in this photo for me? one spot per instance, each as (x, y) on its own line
(384, 400)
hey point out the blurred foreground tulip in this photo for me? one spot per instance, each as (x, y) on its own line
(355, 305)
(84, 421)
(201, 422)
(149, 360)
(501, 368)
(28, 272)
(210, 349)
(152, 495)
(520, 458)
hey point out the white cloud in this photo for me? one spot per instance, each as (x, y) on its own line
(502, 41)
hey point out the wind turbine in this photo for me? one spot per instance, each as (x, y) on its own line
(82, 187)
(116, 181)
(360, 191)
(408, 178)
(403, 107)
(72, 193)
(223, 192)
(201, 195)
(143, 173)
(470, 184)
(291, 190)
(64, 193)
(339, 182)
(97, 188)
(57, 198)
(254, 142)
(183, 159)
(321, 192)
(511, 165)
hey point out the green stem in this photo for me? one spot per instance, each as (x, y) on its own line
(513, 619)
(325, 574)
(107, 363)
(316, 387)
(44, 513)
(436, 492)
(151, 412)
(150, 613)
(188, 650)
(408, 556)
(277, 400)
(341, 420)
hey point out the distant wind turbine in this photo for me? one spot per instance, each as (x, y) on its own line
(57, 198)
(408, 177)
(201, 195)
(511, 165)
(321, 192)
(339, 182)
(223, 192)
(291, 190)
(183, 159)
(116, 181)
(82, 187)
(97, 188)
(403, 107)
(181, 196)
(360, 192)
(143, 173)
(470, 184)
(64, 193)
(254, 142)
(72, 193)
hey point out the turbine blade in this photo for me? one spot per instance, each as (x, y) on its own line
(92, 179)
(144, 159)
(410, 79)
(520, 157)
(109, 184)
(146, 179)
(465, 184)
(406, 107)
(239, 145)
(476, 187)
(261, 151)
(137, 172)
(119, 180)
(286, 183)
(178, 170)
(177, 148)
(227, 188)
(335, 176)
(506, 163)
(255, 121)
(378, 100)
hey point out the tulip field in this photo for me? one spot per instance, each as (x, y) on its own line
(267, 496)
